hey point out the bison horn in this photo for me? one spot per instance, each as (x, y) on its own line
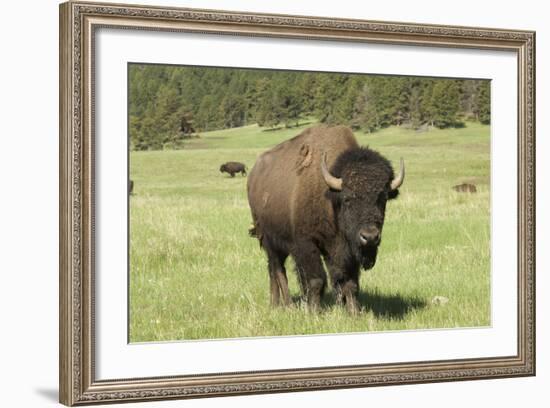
(333, 182)
(397, 181)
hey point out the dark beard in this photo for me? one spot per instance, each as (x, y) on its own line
(363, 255)
(367, 256)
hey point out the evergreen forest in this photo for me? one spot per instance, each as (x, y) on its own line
(170, 104)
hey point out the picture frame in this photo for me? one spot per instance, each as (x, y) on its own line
(79, 24)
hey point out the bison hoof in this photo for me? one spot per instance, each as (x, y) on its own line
(353, 307)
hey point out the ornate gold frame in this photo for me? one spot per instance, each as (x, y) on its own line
(78, 21)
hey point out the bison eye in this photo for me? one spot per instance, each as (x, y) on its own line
(348, 198)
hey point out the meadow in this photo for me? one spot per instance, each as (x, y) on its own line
(196, 274)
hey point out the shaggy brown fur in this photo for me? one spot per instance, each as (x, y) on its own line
(295, 213)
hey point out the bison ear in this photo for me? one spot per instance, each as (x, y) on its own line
(393, 194)
(305, 157)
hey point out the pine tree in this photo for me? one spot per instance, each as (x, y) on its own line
(268, 112)
(289, 104)
(306, 85)
(367, 117)
(444, 103)
(329, 97)
(232, 110)
(400, 89)
(208, 116)
(484, 102)
(469, 91)
(415, 106)
(346, 110)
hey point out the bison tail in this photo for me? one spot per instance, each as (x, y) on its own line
(254, 233)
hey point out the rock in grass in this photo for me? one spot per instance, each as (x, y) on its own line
(440, 300)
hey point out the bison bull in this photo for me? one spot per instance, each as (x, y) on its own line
(321, 195)
(232, 168)
(465, 188)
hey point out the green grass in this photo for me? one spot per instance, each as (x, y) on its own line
(196, 274)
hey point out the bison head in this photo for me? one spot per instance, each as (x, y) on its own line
(222, 168)
(361, 182)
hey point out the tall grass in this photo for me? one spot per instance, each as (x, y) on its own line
(196, 274)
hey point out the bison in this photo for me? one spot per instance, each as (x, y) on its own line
(320, 196)
(232, 168)
(465, 188)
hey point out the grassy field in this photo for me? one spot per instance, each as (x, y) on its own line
(196, 274)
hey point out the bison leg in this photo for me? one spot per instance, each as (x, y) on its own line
(232, 174)
(312, 274)
(345, 280)
(274, 289)
(346, 293)
(278, 284)
(283, 285)
(337, 276)
(338, 294)
(349, 291)
(277, 277)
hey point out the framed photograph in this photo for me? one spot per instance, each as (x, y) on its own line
(255, 203)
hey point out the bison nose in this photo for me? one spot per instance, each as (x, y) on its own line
(369, 236)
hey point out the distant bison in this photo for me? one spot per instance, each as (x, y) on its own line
(321, 195)
(232, 168)
(131, 187)
(465, 188)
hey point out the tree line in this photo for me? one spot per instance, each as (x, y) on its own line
(168, 104)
